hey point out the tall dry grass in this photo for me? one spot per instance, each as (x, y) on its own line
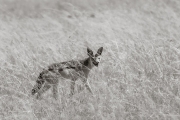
(137, 79)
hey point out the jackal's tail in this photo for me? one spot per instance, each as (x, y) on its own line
(39, 82)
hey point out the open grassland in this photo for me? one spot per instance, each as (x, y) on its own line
(138, 78)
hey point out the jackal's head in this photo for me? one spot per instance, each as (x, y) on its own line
(95, 58)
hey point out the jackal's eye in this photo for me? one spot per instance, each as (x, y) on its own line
(96, 55)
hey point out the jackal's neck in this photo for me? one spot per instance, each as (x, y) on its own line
(87, 64)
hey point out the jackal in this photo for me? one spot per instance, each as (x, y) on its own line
(72, 70)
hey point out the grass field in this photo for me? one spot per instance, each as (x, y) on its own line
(138, 78)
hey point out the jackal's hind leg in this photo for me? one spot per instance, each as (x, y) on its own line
(43, 90)
(72, 88)
(55, 91)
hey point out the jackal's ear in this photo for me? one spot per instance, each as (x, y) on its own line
(89, 51)
(100, 50)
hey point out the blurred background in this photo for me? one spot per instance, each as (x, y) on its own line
(138, 77)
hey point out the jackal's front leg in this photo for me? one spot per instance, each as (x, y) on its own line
(88, 87)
